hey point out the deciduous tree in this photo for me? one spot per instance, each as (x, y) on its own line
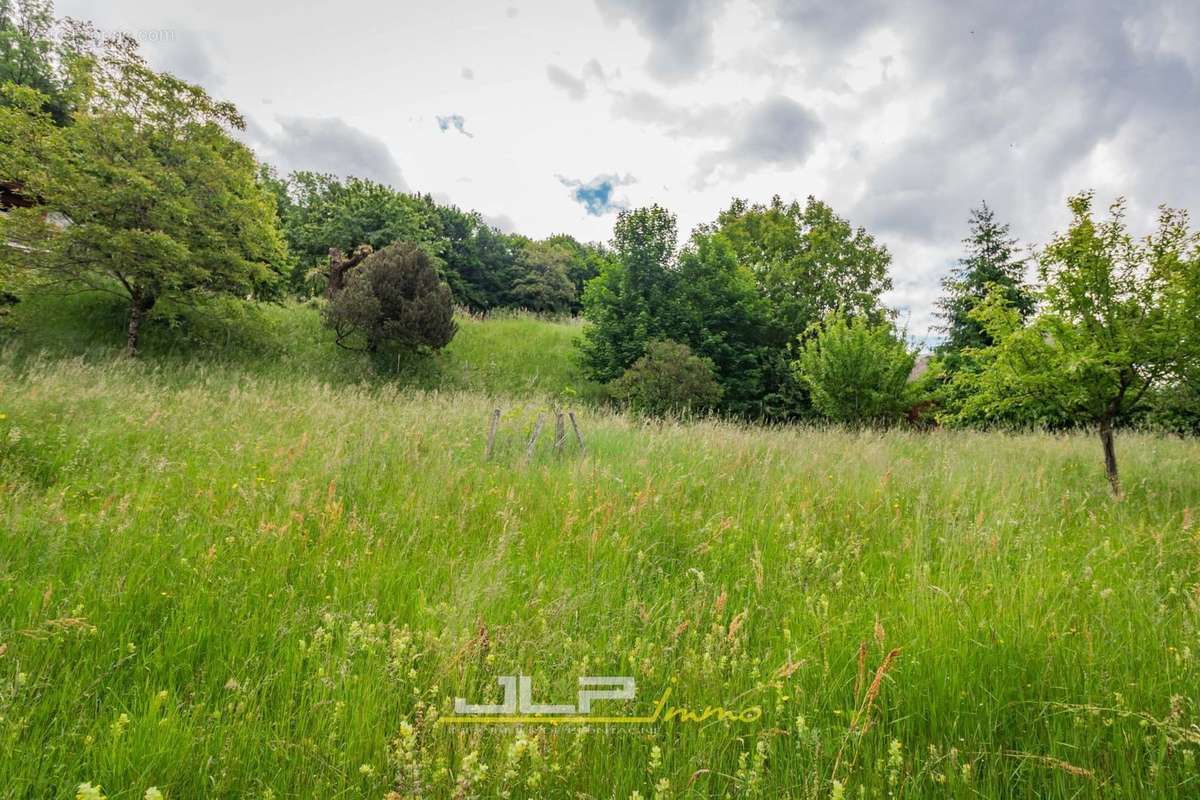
(163, 201)
(1117, 319)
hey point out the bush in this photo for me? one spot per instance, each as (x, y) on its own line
(393, 297)
(668, 379)
(857, 372)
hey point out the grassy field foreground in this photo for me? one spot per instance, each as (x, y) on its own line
(266, 587)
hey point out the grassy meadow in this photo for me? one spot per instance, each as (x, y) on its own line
(267, 573)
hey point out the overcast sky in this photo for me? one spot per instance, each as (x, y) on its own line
(549, 116)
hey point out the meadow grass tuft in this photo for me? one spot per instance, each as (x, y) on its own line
(231, 582)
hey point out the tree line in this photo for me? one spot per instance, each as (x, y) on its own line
(124, 180)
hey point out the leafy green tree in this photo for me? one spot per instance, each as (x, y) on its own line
(716, 310)
(29, 145)
(394, 296)
(163, 201)
(586, 262)
(807, 261)
(45, 54)
(990, 261)
(668, 379)
(629, 304)
(1117, 318)
(481, 264)
(319, 212)
(543, 284)
(857, 370)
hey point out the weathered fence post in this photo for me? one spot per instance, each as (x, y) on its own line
(537, 429)
(560, 433)
(578, 436)
(492, 433)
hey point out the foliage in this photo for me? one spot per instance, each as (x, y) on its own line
(45, 54)
(668, 380)
(629, 303)
(162, 200)
(990, 261)
(28, 142)
(485, 268)
(857, 371)
(717, 311)
(543, 284)
(393, 297)
(319, 212)
(586, 262)
(481, 262)
(740, 293)
(807, 262)
(1117, 320)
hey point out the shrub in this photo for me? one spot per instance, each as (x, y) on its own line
(393, 297)
(856, 371)
(668, 379)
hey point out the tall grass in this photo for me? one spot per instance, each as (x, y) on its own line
(233, 583)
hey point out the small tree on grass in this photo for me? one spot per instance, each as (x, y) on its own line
(668, 379)
(856, 371)
(1118, 318)
(393, 297)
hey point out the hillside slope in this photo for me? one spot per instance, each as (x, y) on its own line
(509, 354)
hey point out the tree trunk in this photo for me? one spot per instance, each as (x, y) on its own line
(1110, 455)
(340, 266)
(140, 303)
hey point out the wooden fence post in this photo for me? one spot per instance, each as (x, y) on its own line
(492, 433)
(560, 433)
(537, 429)
(578, 436)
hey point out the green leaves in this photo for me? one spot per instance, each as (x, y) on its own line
(739, 293)
(1116, 322)
(807, 261)
(856, 371)
(668, 379)
(161, 200)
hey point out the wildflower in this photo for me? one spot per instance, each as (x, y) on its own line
(655, 758)
(839, 791)
(366, 770)
(87, 791)
(895, 761)
(152, 794)
(662, 789)
(118, 727)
